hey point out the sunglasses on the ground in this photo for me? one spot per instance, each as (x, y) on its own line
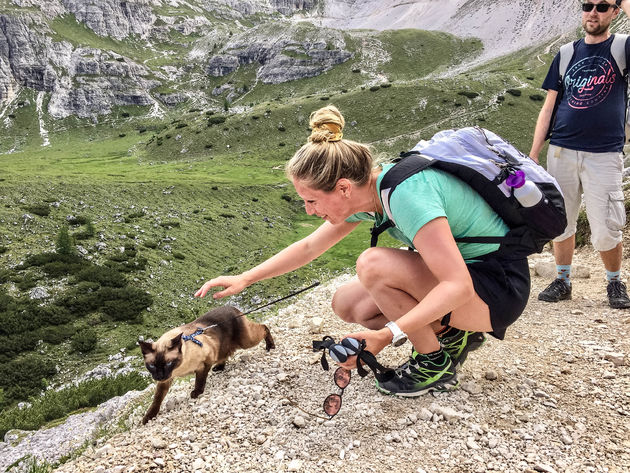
(332, 403)
(600, 7)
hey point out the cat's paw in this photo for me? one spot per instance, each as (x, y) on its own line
(195, 394)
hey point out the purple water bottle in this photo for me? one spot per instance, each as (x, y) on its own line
(526, 192)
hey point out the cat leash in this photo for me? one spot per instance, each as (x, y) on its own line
(201, 330)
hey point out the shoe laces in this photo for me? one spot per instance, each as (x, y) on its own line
(415, 370)
(617, 290)
(557, 286)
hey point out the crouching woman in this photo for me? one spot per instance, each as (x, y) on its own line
(442, 297)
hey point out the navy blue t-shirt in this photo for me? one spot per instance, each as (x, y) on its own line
(591, 115)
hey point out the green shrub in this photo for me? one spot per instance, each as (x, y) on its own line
(84, 340)
(26, 282)
(514, 92)
(87, 233)
(14, 344)
(25, 376)
(42, 210)
(178, 255)
(216, 120)
(56, 269)
(124, 303)
(374, 88)
(102, 275)
(537, 97)
(64, 244)
(78, 220)
(3, 249)
(150, 244)
(171, 224)
(57, 334)
(53, 314)
(469, 94)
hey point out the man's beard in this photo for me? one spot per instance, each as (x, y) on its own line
(598, 30)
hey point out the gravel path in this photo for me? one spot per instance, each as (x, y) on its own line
(554, 396)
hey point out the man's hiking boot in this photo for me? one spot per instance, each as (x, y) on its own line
(421, 375)
(458, 343)
(558, 290)
(617, 295)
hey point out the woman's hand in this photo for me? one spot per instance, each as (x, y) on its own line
(232, 284)
(375, 341)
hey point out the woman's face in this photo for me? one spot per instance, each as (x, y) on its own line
(332, 206)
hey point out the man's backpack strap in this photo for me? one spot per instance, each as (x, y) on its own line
(566, 54)
(618, 52)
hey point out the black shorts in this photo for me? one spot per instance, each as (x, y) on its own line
(504, 285)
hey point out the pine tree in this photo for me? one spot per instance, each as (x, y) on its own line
(64, 242)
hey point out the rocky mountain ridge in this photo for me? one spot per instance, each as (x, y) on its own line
(89, 56)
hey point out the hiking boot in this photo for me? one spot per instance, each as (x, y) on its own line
(558, 290)
(421, 375)
(617, 295)
(460, 343)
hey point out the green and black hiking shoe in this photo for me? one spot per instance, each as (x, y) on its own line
(458, 343)
(420, 375)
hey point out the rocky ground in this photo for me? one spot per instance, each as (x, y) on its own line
(554, 396)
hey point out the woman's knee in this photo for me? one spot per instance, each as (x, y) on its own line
(370, 265)
(341, 306)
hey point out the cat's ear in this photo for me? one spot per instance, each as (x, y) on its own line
(146, 347)
(176, 343)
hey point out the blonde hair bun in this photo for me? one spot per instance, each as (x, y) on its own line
(326, 124)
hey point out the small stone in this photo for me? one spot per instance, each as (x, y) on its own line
(158, 443)
(491, 375)
(616, 359)
(299, 421)
(425, 414)
(472, 387)
(316, 324)
(544, 468)
(471, 444)
(295, 465)
(159, 461)
(198, 464)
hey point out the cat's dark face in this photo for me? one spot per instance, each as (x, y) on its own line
(162, 362)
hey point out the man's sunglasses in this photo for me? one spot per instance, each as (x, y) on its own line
(332, 403)
(600, 7)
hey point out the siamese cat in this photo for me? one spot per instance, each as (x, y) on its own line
(189, 349)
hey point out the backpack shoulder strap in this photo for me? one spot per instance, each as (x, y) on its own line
(410, 163)
(618, 51)
(566, 53)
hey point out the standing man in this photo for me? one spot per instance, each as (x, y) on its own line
(586, 148)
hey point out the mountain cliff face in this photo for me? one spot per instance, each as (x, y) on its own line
(88, 56)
